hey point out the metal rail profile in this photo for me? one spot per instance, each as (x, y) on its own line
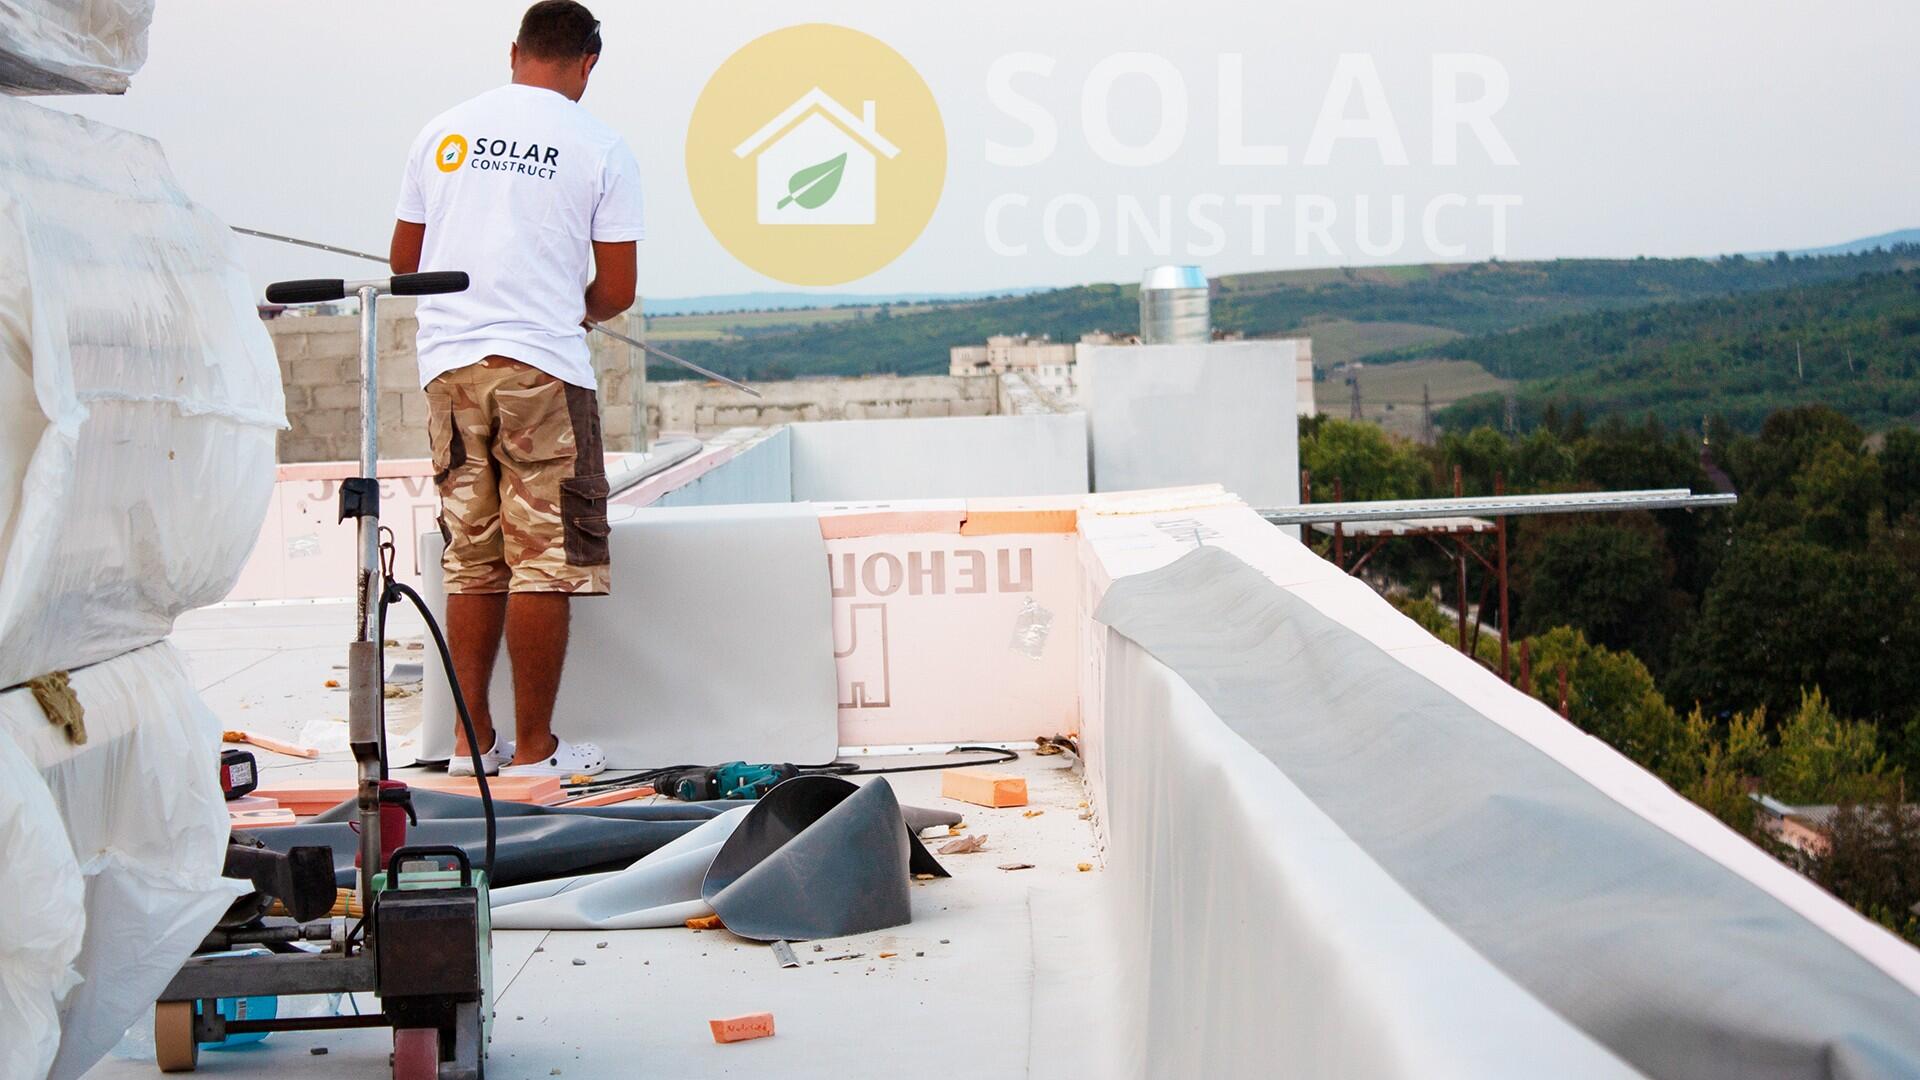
(1583, 502)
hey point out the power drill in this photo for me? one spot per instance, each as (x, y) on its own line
(733, 780)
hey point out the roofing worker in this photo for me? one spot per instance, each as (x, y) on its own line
(518, 187)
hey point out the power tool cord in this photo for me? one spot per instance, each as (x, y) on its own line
(831, 768)
(394, 590)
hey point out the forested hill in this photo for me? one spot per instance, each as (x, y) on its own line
(1445, 299)
(1853, 345)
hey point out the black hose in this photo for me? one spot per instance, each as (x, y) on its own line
(459, 703)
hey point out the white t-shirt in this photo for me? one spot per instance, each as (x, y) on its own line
(513, 186)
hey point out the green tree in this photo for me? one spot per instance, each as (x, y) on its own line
(1481, 454)
(1541, 462)
(1836, 491)
(1612, 696)
(1873, 862)
(1900, 472)
(1368, 462)
(1727, 767)
(1821, 758)
(1784, 613)
(1788, 442)
(1606, 577)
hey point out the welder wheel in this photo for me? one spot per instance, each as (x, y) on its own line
(416, 1053)
(174, 1047)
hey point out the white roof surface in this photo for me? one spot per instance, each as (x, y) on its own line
(957, 996)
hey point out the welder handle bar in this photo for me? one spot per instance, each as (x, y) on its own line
(429, 282)
(321, 290)
(307, 291)
(459, 855)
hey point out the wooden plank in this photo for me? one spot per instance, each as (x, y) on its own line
(983, 788)
(608, 798)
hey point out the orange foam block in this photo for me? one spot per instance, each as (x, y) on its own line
(1022, 514)
(842, 521)
(538, 790)
(983, 788)
(308, 797)
(742, 1028)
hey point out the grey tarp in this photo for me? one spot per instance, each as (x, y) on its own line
(1667, 958)
(532, 842)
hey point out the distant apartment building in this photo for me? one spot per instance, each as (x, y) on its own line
(1053, 365)
(1049, 363)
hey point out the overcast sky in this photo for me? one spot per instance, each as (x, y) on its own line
(1635, 126)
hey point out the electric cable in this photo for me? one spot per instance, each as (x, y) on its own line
(395, 589)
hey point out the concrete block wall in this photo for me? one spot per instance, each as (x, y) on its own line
(703, 408)
(320, 370)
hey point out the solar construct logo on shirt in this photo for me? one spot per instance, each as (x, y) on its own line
(452, 151)
(816, 154)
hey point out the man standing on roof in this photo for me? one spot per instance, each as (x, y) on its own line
(540, 204)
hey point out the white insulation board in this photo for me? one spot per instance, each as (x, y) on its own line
(716, 643)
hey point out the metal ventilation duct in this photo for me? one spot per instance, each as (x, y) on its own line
(1173, 307)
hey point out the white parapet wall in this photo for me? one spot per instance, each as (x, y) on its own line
(957, 457)
(1339, 847)
(1170, 415)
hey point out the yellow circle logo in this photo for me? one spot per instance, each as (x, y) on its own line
(816, 154)
(451, 152)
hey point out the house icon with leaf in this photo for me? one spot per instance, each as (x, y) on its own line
(816, 163)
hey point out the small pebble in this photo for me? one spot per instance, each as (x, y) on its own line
(317, 1051)
(601, 945)
(577, 962)
(944, 941)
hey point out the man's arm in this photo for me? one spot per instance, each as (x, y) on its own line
(403, 255)
(615, 276)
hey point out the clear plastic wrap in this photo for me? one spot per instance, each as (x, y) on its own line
(139, 396)
(65, 47)
(138, 819)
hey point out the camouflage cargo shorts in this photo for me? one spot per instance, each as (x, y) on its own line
(522, 479)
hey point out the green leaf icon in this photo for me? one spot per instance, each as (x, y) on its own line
(812, 186)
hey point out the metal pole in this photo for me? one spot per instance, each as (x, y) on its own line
(363, 655)
(1339, 531)
(1461, 555)
(369, 527)
(1500, 535)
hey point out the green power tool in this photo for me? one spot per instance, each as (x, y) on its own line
(733, 780)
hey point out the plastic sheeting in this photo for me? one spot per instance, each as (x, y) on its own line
(818, 856)
(139, 396)
(113, 855)
(1675, 961)
(71, 47)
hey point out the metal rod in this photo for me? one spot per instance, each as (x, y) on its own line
(1499, 490)
(309, 1023)
(369, 527)
(314, 244)
(670, 358)
(363, 659)
(1513, 505)
(1461, 556)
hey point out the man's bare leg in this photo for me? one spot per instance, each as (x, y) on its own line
(537, 644)
(474, 622)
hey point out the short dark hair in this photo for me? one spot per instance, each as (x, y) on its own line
(559, 30)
